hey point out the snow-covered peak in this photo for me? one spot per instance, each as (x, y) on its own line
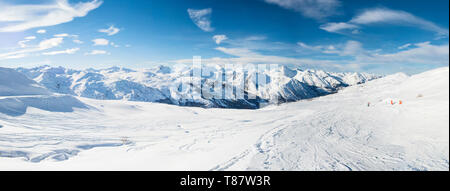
(13, 83)
(163, 83)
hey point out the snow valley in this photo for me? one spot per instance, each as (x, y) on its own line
(122, 119)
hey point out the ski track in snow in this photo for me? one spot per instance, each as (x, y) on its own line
(335, 132)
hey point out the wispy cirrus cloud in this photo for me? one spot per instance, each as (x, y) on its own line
(256, 58)
(385, 16)
(352, 56)
(241, 52)
(350, 48)
(419, 53)
(23, 17)
(97, 52)
(43, 45)
(110, 31)
(100, 42)
(77, 41)
(61, 35)
(23, 43)
(422, 53)
(74, 37)
(338, 27)
(309, 47)
(15, 56)
(347, 56)
(404, 46)
(219, 38)
(258, 42)
(114, 45)
(245, 55)
(26, 49)
(67, 51)
(315, 9)
(41, 31)
(267, 59)
(201, 18)
(30, 37)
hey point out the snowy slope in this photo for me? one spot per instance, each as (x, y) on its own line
(343, 133)
(160, 84)
(17, 93)
(334, 132)
(13, 83)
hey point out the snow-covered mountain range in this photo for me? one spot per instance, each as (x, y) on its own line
(43, 130)
(162, 84)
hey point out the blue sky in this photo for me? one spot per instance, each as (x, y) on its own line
(381, 36)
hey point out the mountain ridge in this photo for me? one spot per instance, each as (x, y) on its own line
(162, 83)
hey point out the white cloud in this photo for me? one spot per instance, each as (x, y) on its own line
(16, 56)
(61, 35)
(23, 17)
(350, 48)
(337, 27)
(66, 35)
(356, 31)
(23, 44)
(419, 53)
(96, 52)
(201, 18)
(67, 51)
(404, 46)
(50, 43)
(42, 31)
(219, 38)
(385, 16)
(114, 45)
(100, 42)
(382, 15)
(77, 41)
(422, 44)
(237, 51)
(247, 56)
(43, 45)
(352, 56)
(110, 31)
(424, 53)
(30, 37)
(316, 9)
(305, 46)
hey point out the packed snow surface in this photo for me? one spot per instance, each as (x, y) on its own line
(355, 129)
